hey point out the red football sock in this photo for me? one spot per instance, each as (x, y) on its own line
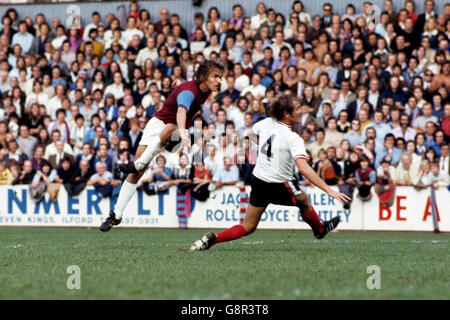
(313, 220)
(235, 232)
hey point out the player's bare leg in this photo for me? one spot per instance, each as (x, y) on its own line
(309, 215)
(249, 225)
(128, 188)
(150, 151)
(126, 193)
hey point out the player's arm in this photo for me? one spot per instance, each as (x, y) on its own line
(313, 177)
(184, 101)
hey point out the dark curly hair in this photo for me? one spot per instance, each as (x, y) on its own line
(205, 69)
(282, 103)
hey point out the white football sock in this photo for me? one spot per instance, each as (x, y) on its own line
(126, 193)
(152, 150)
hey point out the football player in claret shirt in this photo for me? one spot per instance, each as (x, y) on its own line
(183, 103)
(280, 149)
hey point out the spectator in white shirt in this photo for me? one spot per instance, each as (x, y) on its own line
(256, 89)
(241, 80)
(131, 30)
(149, 52)
(94, 25)
(116, 88)
(259, 18)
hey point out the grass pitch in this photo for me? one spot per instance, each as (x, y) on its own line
(155, 264)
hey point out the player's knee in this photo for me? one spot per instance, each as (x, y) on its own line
(166, 135)
(132, 178)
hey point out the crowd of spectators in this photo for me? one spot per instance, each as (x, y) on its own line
(374, 96)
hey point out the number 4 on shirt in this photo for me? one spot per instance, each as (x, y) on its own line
(267, 147)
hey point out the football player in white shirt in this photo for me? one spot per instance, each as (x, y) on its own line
(280, 148)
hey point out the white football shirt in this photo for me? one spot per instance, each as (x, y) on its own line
(278, 148)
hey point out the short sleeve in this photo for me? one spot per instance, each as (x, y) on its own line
(257, 127)
(297, 147)
(185, 99)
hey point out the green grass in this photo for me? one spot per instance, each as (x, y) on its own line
(149, 264)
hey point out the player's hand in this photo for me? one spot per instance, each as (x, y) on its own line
(340, 196)
(186, 142)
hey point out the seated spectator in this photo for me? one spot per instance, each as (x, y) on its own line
(326, 113)
(183, 174)
(332, 135)
(77, 134)
(85, 155)
(381, 128)
(246, 161)
(134, 135)
(6, 176)
(79, 179)
(347, 182)
(420, 122)
(365, 177)
(404, 130)
(314, 147)
(26, 176)
(26, 142)
(388, 151)
(157, 179)
(256, 88)
(101, 180)
(325, 169)
(343, 125)
(15, 154)
(226, 175)
(406, 171)
(201, 181)
(61, 125)
(353, 135)
(38, 157)
(211, 161)
(65, 170)
(102, 156)
(51, 148)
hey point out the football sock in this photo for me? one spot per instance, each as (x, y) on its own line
(126, 193)
(153, 148)
(235, 232)
(313, 220)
